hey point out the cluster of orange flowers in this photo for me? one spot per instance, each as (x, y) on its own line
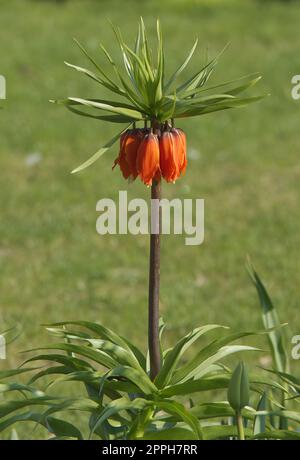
(152, 156)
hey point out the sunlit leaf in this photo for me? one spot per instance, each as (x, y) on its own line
(182, 67)
(270, 319)
(99, 153)
(172, 357)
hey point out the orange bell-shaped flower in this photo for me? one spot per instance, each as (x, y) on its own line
(148, 159)
(168, 165)
(131, 145)
(121, 160)
(180, 149)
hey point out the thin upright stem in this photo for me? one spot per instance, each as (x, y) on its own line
(154, 274)
(240, 426)
(154, 280)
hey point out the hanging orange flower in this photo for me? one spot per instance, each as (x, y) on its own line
(121, 160)
(168, 165)
(129, 144)
(148, 159)
(151, 156)
(180, 149)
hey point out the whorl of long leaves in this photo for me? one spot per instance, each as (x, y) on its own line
(142, 92)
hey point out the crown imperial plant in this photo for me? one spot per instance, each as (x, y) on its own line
(127, 395)
(151, 148)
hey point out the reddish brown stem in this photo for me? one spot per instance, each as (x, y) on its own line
(154, 280)
(154, 277)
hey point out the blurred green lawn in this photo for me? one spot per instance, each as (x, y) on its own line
(244, 163)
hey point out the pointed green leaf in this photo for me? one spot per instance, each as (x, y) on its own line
(133, 114)
(172, 357)
(270, 320)
(99, 153)
(259, 425)
(62, 428)
(94, 77)
(182, 67)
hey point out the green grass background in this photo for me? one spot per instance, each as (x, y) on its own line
(244, 163)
